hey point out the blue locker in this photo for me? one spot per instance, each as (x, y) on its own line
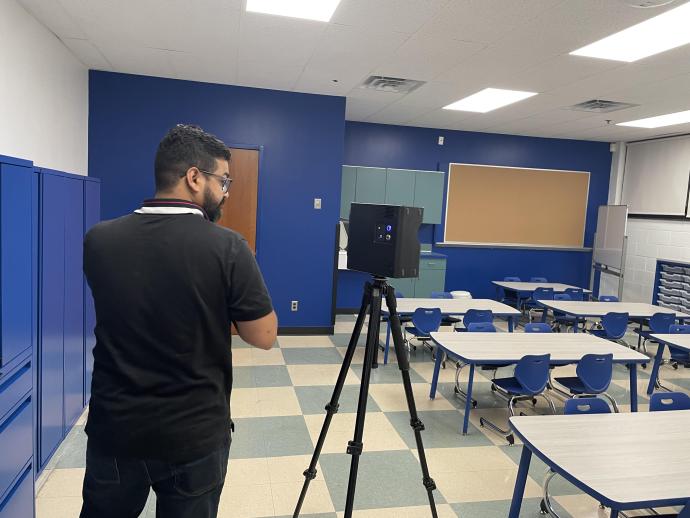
(15, 260)
(19, 502)
(52, 309)
(92, 215)
(73, 338)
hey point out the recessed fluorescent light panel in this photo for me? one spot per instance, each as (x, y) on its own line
(669, 119)
(488, 99)
(319, 10)
(666, 31)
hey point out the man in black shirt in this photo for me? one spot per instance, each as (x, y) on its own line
(167, 282)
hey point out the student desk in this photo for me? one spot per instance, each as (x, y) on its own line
(501, 348)
(625, 461)
(638, 311)
(676, 340)
(524, 290)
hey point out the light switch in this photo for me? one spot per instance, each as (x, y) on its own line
(317, 203)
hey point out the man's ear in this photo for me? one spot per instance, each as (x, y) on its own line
(192, 178)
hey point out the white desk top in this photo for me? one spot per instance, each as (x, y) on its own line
(626, 458)
(598, 309)
(676, 340)
(510, 347)
(452, 306)
(531, 286)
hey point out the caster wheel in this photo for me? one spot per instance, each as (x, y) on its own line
(675, 367)
(511, 439)
(644, 365)
(542, 507)
(534, 401)
(481, 422)
(443, 364)
(493, 388)
(474, 404)
(455, 389)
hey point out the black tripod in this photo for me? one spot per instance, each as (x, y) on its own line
(371, 301)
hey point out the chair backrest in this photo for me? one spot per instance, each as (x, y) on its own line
(399, 294)
(595, 371)
(511, 279)
(586, 405)
(427, 320)
(615, 324)
(679, 329)
(441, 295)
(542, 294)
(538, 279)
(608, 298)
(537, 327)
(477, 315)
(481, 327)
(561, 296)
(575, 293)
(660, 322)
(532, 372)
(661, 401)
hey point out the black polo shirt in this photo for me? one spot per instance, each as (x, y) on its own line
(166, 283)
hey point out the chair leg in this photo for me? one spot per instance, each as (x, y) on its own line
(613, 401)
(459, 392)
(546, 507)
(549, 401)
(505, 433)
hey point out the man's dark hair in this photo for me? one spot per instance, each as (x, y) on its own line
(183, 147)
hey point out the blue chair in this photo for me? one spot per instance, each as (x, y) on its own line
(560, 318)
(538, 327)
(608, 298)
(538, 279)
(424, 322)
(659, 323)
(474, 327)
(679, 357)
(529, 381)
(473, 316)
(662, 401)
(481, 327)
(583, 406)
(531, 305)
(614, 327)
(514, 298)
(593, 378)
(575, 293)
(446, 321)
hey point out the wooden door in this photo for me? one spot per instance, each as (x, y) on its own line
(239, 211)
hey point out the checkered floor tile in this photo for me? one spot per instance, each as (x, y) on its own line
(278, 405)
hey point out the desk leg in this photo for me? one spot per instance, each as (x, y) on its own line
(575, 326)
(437, 370)
(633, 387)
(614, 513)
(388, 341)
(655, 369)
(520, 482)
(511, 324)
(468, 401)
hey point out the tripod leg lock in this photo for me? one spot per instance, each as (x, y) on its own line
(309, 474)
(354, 448)
(417, 425)
(332, 408)
(429, 484)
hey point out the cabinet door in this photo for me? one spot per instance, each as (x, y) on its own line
(74, 301)
(52, 285)
(428, 193)
(92, 215)
(400, 187)
(406, 286)
(371, 185)
(428, 281)
(347, 191)
(16, 266)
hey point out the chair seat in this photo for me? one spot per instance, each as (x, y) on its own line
(414, 331)
(679, 355)
(493, 367)
(511, 386)
(447, 321)
(573, 384)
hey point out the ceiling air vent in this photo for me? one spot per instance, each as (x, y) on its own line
(396, 85)
(600, 106)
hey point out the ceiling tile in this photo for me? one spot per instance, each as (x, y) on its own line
(362, 109)
(87, 53)
(55, 17)
(405, 16)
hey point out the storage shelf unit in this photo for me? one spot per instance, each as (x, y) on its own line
(672, 285)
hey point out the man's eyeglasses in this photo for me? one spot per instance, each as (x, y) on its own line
(225, 180)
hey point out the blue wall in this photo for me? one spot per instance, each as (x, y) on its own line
(302, 137)
(472, 269)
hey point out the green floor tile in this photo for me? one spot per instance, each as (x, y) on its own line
(258, 437)
(313, 400)
(500, 508)
(312, 355)
(442, 430)
(261, 376)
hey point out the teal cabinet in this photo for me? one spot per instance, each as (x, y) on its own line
(428, 193)
(371, 185)
(405, 286)
(432, 277)
(347, 192)
(400, 187)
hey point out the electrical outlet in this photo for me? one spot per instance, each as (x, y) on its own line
(317, 203)
(294, 305)
(440, 141)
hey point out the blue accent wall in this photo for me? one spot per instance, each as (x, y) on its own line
(473, 269)
(302, 137)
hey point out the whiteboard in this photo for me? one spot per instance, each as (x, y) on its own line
(656, 176)
(611, 228)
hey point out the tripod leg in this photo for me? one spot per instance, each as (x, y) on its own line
(332, 406)
(415, 422)
(355, 446)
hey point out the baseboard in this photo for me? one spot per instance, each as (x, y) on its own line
(347, 311)
(327, 330)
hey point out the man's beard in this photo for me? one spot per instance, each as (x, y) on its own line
(213, 210)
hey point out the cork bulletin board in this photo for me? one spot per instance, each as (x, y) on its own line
(515, 206)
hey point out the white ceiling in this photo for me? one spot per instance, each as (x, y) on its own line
(457, 46)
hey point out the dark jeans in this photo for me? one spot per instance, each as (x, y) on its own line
(119, 487)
